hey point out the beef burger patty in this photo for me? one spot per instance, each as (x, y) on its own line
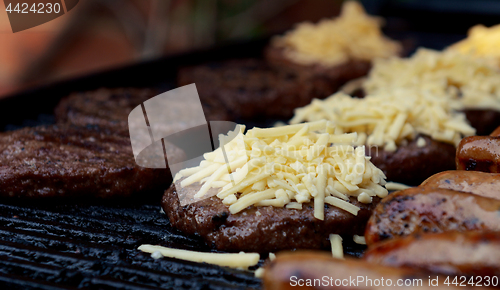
(72, 161)
(265, 228)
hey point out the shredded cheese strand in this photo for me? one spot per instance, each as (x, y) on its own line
(241, 260)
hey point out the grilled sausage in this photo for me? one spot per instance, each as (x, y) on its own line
(431, 210)
(315, 270)
(475, 182)
(450, 253)
(479, 153)
(496, 132)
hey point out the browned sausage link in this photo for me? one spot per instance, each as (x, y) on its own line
(450, 253)
(316, 270)
(435, 210)
(475, 182)
(479, 153)
(496, 133)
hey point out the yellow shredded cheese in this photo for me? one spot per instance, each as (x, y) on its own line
(396, 186)
(241, 260)
(336, 243)
(467, 81)
(421, 142)
(359, 239)
(294, 205)
(481, 42)
(352, 35)
(389, 120)
(288, 166)
(259, 273)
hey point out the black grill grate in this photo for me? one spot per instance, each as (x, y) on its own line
(94, 246)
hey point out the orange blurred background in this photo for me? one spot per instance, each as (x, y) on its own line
(103, 34)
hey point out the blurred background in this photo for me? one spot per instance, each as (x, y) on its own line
(104, 34)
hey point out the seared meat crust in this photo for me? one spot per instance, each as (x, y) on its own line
(449, 253)
(271, 229)
(73, 161)
(251, 89)
(431, 210)
(411, 164)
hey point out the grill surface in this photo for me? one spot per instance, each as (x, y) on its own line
(78, 244)
(95, 246)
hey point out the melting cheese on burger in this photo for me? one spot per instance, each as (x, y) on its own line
(352, 35)
(389, 120)
(288, 166)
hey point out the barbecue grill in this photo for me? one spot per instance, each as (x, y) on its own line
(73, 244)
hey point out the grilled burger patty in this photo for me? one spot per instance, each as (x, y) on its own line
(262, 229)
(251, 89)
(337, 75)
(108, 108)
(411, 164)
(72, 161)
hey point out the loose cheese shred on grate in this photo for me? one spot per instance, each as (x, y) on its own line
(288, 166)
(259, 273)
(336, 243)
(396, 186)
(359, 239)
(352, 35)
(241, 260)
(465, 80)
(481, 42)
(389, 120)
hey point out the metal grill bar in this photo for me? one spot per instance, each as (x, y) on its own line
(70, 246)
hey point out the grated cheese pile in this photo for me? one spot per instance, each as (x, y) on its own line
(481, 42)
(474, 82)
(388, 120)
(352, 35)
(289, 166)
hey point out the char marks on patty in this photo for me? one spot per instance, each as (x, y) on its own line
(262, 229)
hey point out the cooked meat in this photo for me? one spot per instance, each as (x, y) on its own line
(261, 229)
(314, 270)
(479, 153)
(250, 89)
(72, 161)
(411, 164)
(496, 132)
(109, 108)
(338, 75)
(449, 253)
(484, 121)
(476, 182)
(431, 210)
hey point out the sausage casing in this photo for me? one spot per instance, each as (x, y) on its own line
(479, 153)
(450, 253)
(475, 182)
(496, 132)
(295, 270)
(432, 210)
